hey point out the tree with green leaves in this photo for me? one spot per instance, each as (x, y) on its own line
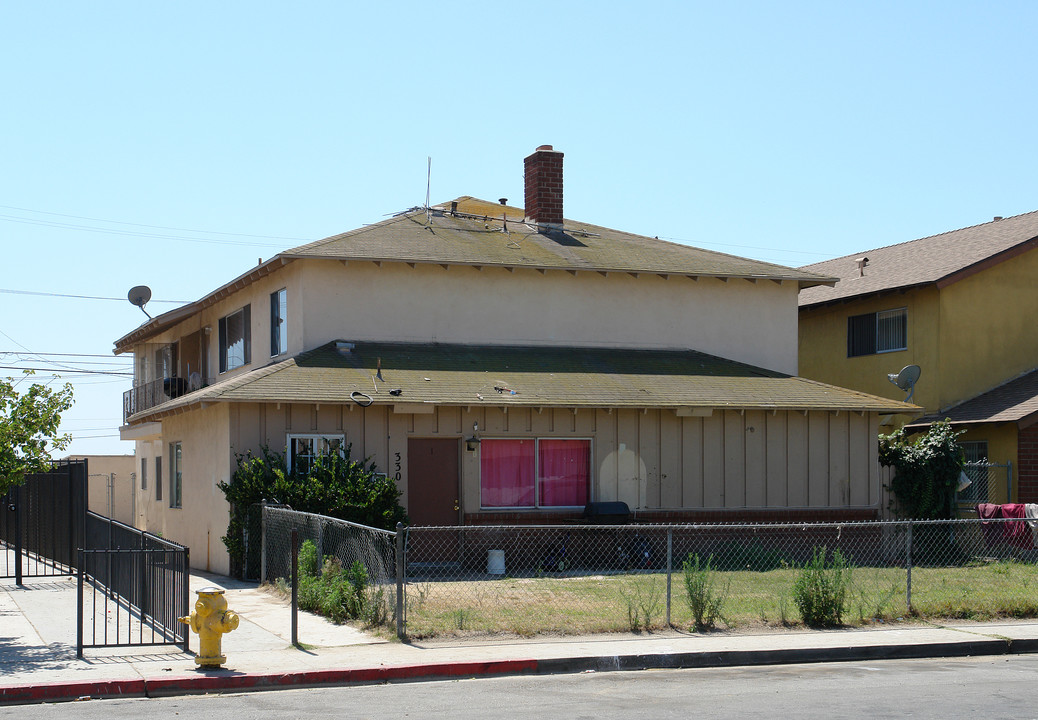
(29, 429)
(926, 471)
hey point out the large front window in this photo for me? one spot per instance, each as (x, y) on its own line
(532, 473)
(235, 339)
(303, 450)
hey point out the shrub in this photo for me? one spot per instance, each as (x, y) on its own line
(820, 589)
(705, 599)
(338, 594)
(644, 603)
(926, 471)
(309, 562)
(336, 485)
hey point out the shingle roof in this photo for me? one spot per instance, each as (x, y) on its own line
(576, 377)
(935, 259)
(484, 233)
(1015, 401)
(475, 234)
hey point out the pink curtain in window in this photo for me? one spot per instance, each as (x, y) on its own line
(564, 466)
(506, 473)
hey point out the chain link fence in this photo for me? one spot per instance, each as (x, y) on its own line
(585, 579)
(361, 559)
(573, 579)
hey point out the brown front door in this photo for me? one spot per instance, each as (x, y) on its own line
(433, 483)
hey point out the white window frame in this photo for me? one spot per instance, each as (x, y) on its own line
(903, 312)
(536, 507)
(325, 438)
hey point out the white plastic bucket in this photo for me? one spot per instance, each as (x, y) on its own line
(495, 562)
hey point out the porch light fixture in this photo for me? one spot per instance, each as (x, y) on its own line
(472, 443)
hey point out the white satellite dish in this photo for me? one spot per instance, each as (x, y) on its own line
(906, 379)
(139, 295)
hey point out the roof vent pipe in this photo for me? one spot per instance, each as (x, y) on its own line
(997, 218)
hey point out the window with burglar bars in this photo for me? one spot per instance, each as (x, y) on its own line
(878, 332)
(977, 470)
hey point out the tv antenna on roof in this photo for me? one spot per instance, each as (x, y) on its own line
(906, 379)
(139, 295)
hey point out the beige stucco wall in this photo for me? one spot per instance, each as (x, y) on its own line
(201, 520)
(750, 322)
(110, 485)
(257, 296)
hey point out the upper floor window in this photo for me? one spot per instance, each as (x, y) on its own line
(303, 450)
(877, 332)
(158, 479)
(278, 310)
(176, 475)
(235, 339)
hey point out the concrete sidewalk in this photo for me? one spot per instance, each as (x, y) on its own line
(39, 664)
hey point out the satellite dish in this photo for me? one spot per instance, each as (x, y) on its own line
(906, 379)
(139, 295)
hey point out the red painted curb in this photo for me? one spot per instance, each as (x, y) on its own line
(69, 691)
(256, 681)
(57, 691)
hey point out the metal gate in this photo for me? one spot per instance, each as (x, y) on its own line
(42, 522)
(132, 587)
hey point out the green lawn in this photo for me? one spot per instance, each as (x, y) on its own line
(624, 602)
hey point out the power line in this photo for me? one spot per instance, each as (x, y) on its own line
(73, 370)
(130, 233)
(97, 355)
(154, 227)
(81, 297)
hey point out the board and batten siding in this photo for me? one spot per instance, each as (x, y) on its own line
(652, 460)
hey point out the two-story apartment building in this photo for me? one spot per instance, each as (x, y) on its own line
(962, 306)
(504, 365)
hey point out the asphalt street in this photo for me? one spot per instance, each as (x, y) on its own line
(991, 688)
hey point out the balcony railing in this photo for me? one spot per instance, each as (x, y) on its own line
(148, 395)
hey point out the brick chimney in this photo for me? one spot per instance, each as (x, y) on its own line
(544, 188)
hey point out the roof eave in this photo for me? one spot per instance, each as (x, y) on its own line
(775, 277)
(167, 320)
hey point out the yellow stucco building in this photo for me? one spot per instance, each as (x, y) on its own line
(962, 306)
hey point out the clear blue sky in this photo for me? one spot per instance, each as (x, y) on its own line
(173, 144)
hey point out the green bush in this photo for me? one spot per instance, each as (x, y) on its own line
(309, 562)
(337, 594)
(820, 589)
(705, 598)
(926, 471)
(336, 485)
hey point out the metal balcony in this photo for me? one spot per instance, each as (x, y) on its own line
(148, 395)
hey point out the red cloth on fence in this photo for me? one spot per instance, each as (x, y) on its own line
(1017, 533)
(991, 532)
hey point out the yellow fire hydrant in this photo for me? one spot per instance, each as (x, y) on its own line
(210, 620)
